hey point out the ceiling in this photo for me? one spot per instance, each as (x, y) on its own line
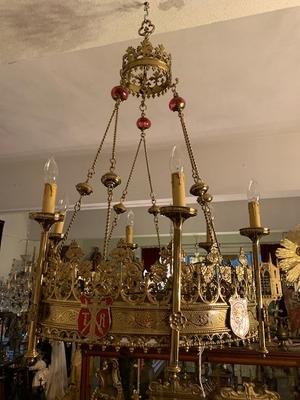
(238, 63)
(35, 28)
(239, 77)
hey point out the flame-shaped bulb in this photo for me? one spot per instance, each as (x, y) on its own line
(50, 171)
(130, 218)
(175, 161)
(253, 191)
(50, 188)
(62, 208)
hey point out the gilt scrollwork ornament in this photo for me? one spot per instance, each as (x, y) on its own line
(247, 393)
(159, 284)
(177, 321)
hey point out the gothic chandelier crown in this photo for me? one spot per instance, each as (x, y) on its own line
(111, 301)
(146, 70)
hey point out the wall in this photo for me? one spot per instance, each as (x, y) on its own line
(14, 237)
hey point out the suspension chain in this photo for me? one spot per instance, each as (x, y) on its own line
(113, 152)
(152, 196)
(125, 191)
(77, 208)
(108, 218)
(195, 172)
(91, 170)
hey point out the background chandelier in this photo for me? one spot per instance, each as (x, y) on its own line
(111, 301)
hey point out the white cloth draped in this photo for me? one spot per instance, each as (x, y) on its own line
(58, 379)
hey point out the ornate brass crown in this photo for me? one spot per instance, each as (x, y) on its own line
(141, 302)
(146, 70)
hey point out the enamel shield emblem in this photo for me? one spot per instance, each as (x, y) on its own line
(94, 319)
(239, 317)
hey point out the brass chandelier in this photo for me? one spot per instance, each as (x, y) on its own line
(112, 302)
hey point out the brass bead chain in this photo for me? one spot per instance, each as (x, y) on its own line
(152, 196)
(76, 209)
(91, 170)
(209, 223)
(195, 174)
(108, 226)
(90, 174)
(108, 218)
(125, 191)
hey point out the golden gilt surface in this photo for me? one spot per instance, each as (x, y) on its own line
(248, 393)
(141, 302)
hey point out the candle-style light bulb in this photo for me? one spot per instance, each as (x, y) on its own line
(50, 171)
(178, 180)
(129, 227)
(62, 208)
(253, 204)
(50, 188)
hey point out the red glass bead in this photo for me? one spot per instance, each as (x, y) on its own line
(143, 123)
(177, 103)
(119, 92)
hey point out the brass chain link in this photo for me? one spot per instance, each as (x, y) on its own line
(108, 217)
(195, 172)
(76, 209)
(91, 170)
(125, 191)
(152, 196)
(113, 152)
(90, 174)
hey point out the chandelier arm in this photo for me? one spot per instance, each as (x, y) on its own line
(152, 196)
(91, 170)
(76, 209)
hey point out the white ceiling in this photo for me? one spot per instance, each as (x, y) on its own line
(240, 77)
(34, 28)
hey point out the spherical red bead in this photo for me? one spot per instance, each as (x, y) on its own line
(119, 92)
(143, 123)
(177, 103)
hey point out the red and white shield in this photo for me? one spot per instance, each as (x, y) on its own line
(94, 319)
(239, 317)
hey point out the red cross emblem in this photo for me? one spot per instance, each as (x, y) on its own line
(94, 319)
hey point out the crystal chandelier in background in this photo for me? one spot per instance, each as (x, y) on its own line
(111, 301)
(16, 290)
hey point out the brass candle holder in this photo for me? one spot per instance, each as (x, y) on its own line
(46, 220)
(177, 320)
(255, 234)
